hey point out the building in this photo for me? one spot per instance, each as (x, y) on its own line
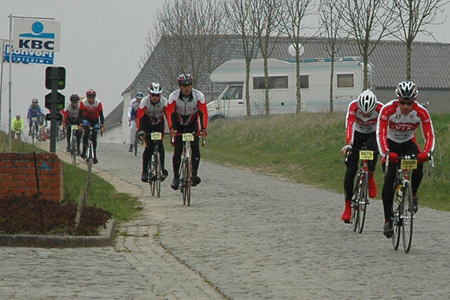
(430, 71)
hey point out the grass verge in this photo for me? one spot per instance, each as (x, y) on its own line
(306, 149)
(102, 194)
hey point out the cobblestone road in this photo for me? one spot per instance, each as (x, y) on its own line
(245, 236)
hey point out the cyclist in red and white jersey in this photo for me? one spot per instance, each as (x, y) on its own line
(150, 118)
(91, 109)
(361, 125)
(186, 112)
(70, 114)
(396, 131)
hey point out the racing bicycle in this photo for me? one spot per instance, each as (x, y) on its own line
(73, 143)
(136, 142)
(33, 130)
(154, 166)
(360, 198)
(185, 171)
(403, 205)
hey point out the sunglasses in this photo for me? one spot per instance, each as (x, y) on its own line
(91, 96)
(155, 95)
(406, 103)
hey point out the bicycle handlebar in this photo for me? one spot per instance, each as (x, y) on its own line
(411, 156)
(193, 133)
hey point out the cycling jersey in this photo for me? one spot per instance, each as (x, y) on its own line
(91, 111)
(34, 112)
(17, 125)
(155, 111)
(187, 109)
(357, 122)
(395, 126)
(70, 114)
(133, 109)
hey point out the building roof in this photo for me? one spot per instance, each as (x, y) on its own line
(114, 118)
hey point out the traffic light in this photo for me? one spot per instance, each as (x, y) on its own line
(60, 102)
(61, 78)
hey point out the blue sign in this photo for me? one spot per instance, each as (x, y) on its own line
(29, 56)
(41, 35)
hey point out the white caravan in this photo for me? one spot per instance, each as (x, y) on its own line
(348, 83)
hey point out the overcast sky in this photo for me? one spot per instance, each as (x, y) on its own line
(102, 42)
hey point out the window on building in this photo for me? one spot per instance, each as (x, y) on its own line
(345, 80)
(304, 81)
(275, 82)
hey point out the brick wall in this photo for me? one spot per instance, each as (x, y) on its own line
(18, 175)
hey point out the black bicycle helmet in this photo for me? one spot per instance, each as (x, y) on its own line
(407, 90)
(185, 79)
(74, 98)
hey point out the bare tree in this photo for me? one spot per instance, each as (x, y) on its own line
(367, 22)
(265, 20)
(330, 18)
(292, 26)
(412, 17)
(186, 32)
(238, 14)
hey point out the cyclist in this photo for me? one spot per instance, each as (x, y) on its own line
(186, 112)
(70, 113)
(91, 109)
(150, 118)
(132, 112)
(17, 126)
(34, 111)
(362, 115)
(396, 130)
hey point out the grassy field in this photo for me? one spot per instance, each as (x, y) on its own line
(102, 194)
(306, 149)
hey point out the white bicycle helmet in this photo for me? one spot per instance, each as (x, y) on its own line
(155, 88)
(407, 90)
(367, 102)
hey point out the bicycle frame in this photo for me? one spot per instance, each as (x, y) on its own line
(360, 198)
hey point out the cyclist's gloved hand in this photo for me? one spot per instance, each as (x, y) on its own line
(422, 157)
(141, 135)
(393, 157)
(345, 149)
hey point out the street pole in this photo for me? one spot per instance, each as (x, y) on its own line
(2, 56)
(10, 81)
(54, 107)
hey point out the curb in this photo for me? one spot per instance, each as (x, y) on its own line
(45, 241)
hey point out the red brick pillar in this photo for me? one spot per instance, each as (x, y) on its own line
(18, 175)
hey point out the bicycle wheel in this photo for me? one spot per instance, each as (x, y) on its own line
(407, 216)
(152, 174)
(73, 150)
(136, 144)
(362, 205)
(397, 223)
(158, 175)
(355, 205)
(33, 133)
(183, 176)
(188, 182)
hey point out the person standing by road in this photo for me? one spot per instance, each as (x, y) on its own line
(17, 126)
(70, 114)
(396, 132)
(186, 112)
(361, 125)
(150, 118)
(91, 109)
(132, 113)
(34, 111)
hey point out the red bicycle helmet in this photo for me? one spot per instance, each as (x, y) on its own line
(91, 93)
